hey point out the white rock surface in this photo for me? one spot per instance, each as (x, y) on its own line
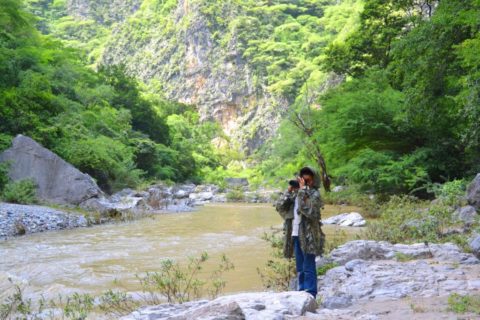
(352, 219)
(250, 306)
(381, 250)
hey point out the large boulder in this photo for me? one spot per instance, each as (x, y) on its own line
(381, 250)
(255, 305)
(57, 180)
(475, 246)
(467, 214)
(473, 192)
(236, 182)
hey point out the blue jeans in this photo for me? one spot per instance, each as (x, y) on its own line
(306, 269)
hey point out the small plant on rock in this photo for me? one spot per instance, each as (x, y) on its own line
(178, 283)
(278, 272)
(464, 303)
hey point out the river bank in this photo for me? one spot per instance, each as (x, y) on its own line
(127, 204)
(372, 280)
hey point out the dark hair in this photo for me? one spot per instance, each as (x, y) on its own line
(306, 171)
(294, 183)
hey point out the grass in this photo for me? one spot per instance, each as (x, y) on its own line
(402, 257)
(321, 271)
(464, 303)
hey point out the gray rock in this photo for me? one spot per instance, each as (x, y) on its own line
(473, 192)
(335, 302)
(381, 250)
(475, 246)
(201, 196)
(256, 305)
(57, 180)
(236, 182)
(467, 214)
(367, 280)
(352, 219)
(338, 188)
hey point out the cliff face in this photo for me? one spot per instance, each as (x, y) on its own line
(178, 52)
(241, 63)
(103, 12)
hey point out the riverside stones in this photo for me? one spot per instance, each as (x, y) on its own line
(18, 219)
(473, 192)
(57, 180)
(255, 305)
(353, 219)
(236, 182)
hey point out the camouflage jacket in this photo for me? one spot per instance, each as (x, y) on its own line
(311, 236)
(284, 206)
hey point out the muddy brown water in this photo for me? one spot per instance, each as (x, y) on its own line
(110, 256)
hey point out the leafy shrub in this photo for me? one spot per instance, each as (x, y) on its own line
(3, 175)
(450, 193)
(405, 219)
(179, 283)
(22, 192)
(235, 195)
(278, 273)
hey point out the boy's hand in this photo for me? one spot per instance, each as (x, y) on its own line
(301, 181)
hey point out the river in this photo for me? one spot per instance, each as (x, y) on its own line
(109, 256)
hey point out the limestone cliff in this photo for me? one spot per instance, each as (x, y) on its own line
(180, 53)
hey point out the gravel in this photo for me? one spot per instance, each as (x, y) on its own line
(18, 219)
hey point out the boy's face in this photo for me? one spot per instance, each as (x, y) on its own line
(308, 179)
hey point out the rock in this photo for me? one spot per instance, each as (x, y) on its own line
(201, 196)
(473, 192)
(475, 246)
(389, 279)
(219, 198)
(236, 182)
(353, 219)
(57, 180)
(255, 305)
(380, 250)
(334, 302)
(116, 206)
(338, 188)
(466, 214)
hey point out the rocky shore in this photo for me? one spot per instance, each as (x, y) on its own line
(373, 280)
(25, 219)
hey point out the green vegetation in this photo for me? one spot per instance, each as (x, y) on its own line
(179, 283)
(321, 271)
(98, 121)
(464, 303)
(403, 119)
(278, 272)
(408, 220)
(22, 192)
(381, 93)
